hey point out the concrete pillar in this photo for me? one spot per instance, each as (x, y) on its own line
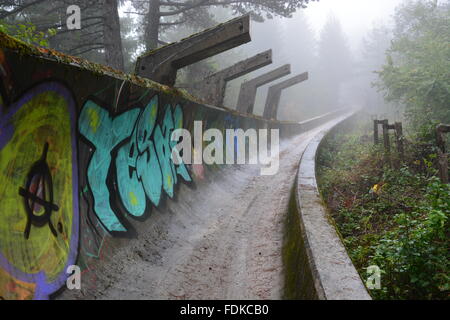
(274, 94)
(212, 89)
(161, 65)
(247, 95)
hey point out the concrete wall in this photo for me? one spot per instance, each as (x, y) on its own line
(317, 263)
(85, 161)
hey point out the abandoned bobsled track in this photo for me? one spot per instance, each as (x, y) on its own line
(223, 241)
(87, 180)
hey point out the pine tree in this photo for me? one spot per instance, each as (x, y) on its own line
(334, 63)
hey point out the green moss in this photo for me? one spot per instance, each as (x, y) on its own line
(16, 45)
(298, 278)
(13, 44)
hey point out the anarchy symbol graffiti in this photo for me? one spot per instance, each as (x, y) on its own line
(38, 195)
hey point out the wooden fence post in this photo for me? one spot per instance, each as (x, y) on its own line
(442, 152)
(399, 139)
(375, 132)
(387, 142)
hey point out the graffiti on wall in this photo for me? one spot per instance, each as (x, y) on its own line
(137, 150)
(57, 156)
(39, 220)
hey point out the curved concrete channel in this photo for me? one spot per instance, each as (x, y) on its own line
(137, 225)
(318, 265)
(224, 241)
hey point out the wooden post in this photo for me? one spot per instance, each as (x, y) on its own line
(387, 142)
(399, 139)
(375, 132)
(442, 152)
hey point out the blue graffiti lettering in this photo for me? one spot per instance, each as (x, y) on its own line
(144, 165)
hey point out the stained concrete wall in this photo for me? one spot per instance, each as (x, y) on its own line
(316, 261)
(85, 162)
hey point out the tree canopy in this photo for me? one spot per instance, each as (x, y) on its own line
(105, 36)
(417, 71)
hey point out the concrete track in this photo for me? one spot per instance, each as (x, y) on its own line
(224, 243)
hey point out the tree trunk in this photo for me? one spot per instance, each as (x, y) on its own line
(111, 34)
(151, 35)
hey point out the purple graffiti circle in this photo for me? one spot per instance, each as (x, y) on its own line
(44, 288)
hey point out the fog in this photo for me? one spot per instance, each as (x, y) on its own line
(357, 16)
(340, 43)
(340, 74)
(296, 41)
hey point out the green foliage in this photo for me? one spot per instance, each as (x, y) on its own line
(27, 32)
(414, 256)
(395, 218)
(417, 72)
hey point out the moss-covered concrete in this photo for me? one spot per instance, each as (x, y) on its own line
(299, 282)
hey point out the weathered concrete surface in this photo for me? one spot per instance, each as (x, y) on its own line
(221, 241)
(274, 95)
(247, 94)
(80, 121)
(137, 224)
(161, 65)
(212, 88)
(330, 269)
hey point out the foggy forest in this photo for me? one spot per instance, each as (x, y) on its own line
(379, 68)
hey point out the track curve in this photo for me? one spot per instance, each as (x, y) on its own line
(223, 241)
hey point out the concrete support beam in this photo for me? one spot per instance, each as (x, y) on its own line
(274, 94)
(212, 89)
(247, 95)
(161, 65)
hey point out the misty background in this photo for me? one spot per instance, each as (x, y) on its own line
(341, 43)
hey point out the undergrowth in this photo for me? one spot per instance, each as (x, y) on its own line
(391, 214)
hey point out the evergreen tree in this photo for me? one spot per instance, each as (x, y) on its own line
(99, 38)
(334, 65)
(417, 71)
(160, 15)
(373, 57)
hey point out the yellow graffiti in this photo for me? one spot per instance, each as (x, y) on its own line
(44, 119)
(133, 199)
(169, 181)
(153, 114)
(94, 119)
